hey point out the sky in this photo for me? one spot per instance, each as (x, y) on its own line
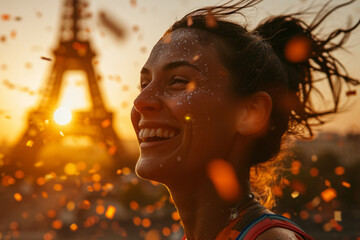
(29, 30)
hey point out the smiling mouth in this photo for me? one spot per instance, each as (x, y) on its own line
(156, 134)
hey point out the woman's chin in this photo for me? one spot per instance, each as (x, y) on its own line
(147, 169)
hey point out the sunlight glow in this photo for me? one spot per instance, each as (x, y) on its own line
(62, 116)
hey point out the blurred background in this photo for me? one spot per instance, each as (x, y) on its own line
(62, 183)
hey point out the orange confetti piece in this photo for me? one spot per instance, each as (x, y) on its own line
(19, 174)
(327, 183)
(30, 143)
(44, 194)
(73, 227)
(110, 212)
(100, 209)
(5, 17)
(166, 231)
(223, 176)
(146, 222)
(40, 181)
(134, 205)
(106, 123)
(314, 172)
(189, 21)
(57, 224)
(137, 221)
(211, 20)
(295, 194)
(328, 194)
(112, 150)
(39, 164)
(345, 184)
(96, 177)
(51, 213)
(298, 49)
(18, 197)
(339, 170)
(175, 216)
(133, 3)
(126, 171)
(86, 204)
(13, 34)
(295, 167)
(287, 215)
(48, 236)
(58, 187)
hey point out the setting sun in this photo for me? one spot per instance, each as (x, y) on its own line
(62, 116)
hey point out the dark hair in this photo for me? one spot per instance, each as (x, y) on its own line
(280, 57)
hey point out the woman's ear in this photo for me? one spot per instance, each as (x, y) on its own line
(253, 114)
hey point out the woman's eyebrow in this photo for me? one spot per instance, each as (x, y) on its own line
(176, 64)
(172, 65)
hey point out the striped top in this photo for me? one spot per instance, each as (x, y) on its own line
(253, 221)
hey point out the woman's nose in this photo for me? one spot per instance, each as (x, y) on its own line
(148, 101)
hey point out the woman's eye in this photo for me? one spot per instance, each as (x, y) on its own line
(143, 85)
(179, 83)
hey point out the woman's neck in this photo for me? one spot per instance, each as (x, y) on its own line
(203, 213)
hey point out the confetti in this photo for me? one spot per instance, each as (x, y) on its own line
(18, 197)
(210, 20)
(100, 209)
(45, 58)
(5, 17)
(298, 49)
(189, 21)
(328, 194)
(115, 28)
(146, 222)
(110, 212)
(30, 143)
(345, 184)
(339, 170)
(337, 216)
(39, 164)
(223, 176)
(57, 224)
(137, 221)
(295, 194)
(73, 227)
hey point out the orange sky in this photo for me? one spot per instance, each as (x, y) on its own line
(31, 32)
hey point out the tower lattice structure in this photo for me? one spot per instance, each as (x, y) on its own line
(74, 52)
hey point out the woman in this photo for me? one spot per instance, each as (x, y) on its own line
(216, 101)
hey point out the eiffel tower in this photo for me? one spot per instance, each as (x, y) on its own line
(73, 52)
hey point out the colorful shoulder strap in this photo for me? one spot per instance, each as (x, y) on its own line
(267, 221)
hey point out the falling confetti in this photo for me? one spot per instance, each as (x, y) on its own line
(18, 197)
(223, 176)
(328, 194)
(45, 58)
(110, 212)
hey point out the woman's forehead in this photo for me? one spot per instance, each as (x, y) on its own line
(181, 44)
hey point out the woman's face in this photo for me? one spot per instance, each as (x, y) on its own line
(184, 116)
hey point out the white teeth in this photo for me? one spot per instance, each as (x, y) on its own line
(158, 132)
(146, 133)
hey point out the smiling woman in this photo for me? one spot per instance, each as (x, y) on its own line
(216, 101)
